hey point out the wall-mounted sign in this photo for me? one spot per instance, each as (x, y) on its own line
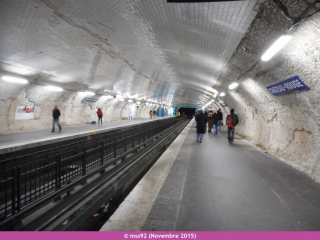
(87, 99)
(24, 113)
(223, 104)
(290, 85)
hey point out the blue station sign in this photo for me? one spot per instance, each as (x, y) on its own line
(290, 85)
(223, 104)
(90, 99)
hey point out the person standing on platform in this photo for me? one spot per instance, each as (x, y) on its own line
(154, 114)
(201, 119)
(100, 115)
(150, 113)
(232, 121)
(55, 114)
(220, 119)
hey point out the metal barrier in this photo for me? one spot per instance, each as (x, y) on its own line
(23, 184)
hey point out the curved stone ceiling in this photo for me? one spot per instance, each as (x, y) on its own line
(169, 52)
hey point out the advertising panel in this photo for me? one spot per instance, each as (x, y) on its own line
(24, 113)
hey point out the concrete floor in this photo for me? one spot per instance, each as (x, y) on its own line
(217, 186)
(16, 141)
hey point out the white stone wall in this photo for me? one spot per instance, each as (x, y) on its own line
(286, 125)
(74, 111)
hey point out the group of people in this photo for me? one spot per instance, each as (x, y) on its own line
(215, 119)
(56, 114)
(153, 113)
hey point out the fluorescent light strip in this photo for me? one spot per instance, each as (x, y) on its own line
(52, 88)
(276, 47)
(89, 93)
(233, 85)
(14, 80)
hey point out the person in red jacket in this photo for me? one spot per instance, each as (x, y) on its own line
(100, 115)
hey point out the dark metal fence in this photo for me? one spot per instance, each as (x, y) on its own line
(26, 179)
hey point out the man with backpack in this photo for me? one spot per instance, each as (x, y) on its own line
(100, 115)
(231, 121)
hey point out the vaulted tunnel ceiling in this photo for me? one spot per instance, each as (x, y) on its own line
(169, 52)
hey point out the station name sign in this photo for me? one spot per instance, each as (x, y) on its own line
(90, 99)
(223, 104)
(290, 85)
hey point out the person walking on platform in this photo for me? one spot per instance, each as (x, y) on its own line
(232, 121)
(215, 122)
(220, 119)
(100, 115)
(206, 114)
(150, 113)
(56, 114)
(210, 121)
(201, 125)
(154, 114)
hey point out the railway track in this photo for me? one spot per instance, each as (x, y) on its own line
(82, 180)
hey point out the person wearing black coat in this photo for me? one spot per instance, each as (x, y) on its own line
(55, 114)
(215, 123)
(202, 120)
(220, 119)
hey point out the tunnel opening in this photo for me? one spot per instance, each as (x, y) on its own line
(187, 111)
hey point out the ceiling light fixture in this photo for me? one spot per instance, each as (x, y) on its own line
(89, 93)
(276, 47)
(130, 100)
(108, 96)
(138, 102)
(121, 99)
(52, 88)
(233, 85)
(14, 80)
(222, 94)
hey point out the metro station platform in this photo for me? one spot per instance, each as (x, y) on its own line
(217, 186)
(11, 142)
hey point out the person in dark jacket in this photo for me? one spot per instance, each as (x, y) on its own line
(150, 113)
(232, 121)
(56, 114)
(202, 120)
(215, 123)
(206, 114)
(210, 121)
(154, 114)
(100, 115)
(220, 119)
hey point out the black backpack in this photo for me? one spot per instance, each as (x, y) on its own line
(235, 120)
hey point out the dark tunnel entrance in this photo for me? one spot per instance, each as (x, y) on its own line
(187, 111)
